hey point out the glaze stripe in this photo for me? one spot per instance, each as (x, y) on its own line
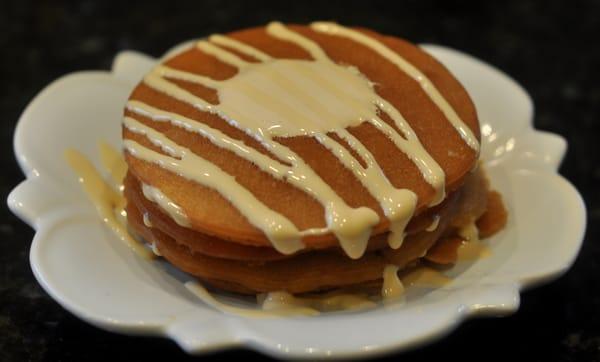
(280, 231)
(426, 84)
(286, 98)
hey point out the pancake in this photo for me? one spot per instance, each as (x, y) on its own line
(267, 158)
(316, 270)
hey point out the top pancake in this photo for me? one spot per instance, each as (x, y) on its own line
(211, 213)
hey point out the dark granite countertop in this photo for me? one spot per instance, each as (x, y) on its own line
(550, 47)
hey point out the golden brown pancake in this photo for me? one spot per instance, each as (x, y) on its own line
(222, 247)
(316, 270)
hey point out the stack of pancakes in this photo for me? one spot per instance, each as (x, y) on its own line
(218, 244)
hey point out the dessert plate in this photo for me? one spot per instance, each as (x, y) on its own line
(95, 276)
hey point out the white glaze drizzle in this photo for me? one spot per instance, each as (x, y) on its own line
(154, 249)
(470, 232)
(280, 31)
(472, 247)
(180, 160)
(434, 223)
(146, 219)
(204, 295)
(426, 84)
(281, 301)
(223, 56)
(283, 98)
(169, 72)
(337, 212)
(109, 203)
(425, 276)
(172, 209)
(392, 287)
(114, 164)
(410, 144)
(239, 46)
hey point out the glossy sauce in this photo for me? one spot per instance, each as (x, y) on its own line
(472, 248)
(425, 276)
(275, 301)
(109, 202)
(284, 98)
(392, 287)
(156, 196)
(434, 224)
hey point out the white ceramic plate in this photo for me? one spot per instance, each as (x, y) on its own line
(93, 275)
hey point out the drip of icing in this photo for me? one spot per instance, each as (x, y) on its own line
(282, 233)
(472, 248)
(470, 232)
(223, 56)
(172, 209)
(109, 203)
(425, 277)
(426, 84)
(284, 98)
(276, 301)
(239, 46)
(300, 174)
(392, 287)
(397, 234)
(155, 249)
(114, 164)
(168, 72)
(434, 223)
(285, 304)
(147, 221)
(412, 147)
(398, 205)
(351, 226)
(280, 31)
(199, 291)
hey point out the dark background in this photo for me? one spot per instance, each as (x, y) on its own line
(551, 48)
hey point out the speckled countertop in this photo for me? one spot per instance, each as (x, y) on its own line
(550, 47)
